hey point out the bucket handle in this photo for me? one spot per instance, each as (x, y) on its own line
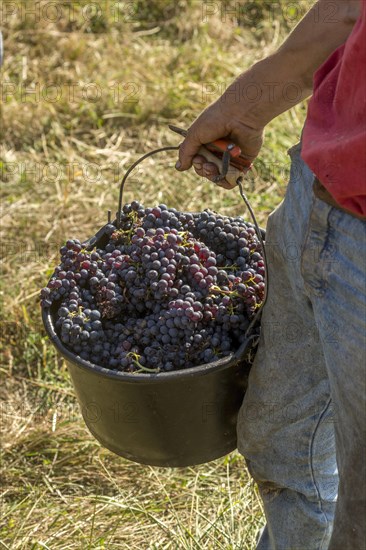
(243, 196)
(132, 167)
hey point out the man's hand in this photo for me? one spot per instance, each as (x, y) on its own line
(214, 122)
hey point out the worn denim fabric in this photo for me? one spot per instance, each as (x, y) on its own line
(304, 410)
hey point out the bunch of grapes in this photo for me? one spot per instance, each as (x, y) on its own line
(169, 290)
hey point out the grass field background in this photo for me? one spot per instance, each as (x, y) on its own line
(87, 87)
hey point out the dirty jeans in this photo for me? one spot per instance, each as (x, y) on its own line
(304, 411)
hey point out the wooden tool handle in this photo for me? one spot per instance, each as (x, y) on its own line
(232, 175)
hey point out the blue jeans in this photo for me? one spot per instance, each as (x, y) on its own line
(304, 411)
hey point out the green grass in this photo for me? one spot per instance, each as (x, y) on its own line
(150, 64)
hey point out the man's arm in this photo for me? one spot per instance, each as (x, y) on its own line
(278, 82)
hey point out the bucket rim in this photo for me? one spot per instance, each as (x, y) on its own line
(200, 370)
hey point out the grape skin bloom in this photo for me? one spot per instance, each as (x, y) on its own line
(169, 290)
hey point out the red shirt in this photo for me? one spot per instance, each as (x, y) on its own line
(334, 137)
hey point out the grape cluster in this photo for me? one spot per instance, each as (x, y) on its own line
(167, 290)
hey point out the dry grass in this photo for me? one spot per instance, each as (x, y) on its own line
(150, 64)
(62, 490)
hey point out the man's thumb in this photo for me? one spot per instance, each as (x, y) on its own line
(187, 150)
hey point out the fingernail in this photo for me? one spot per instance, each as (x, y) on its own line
(178, 165)
(197, 165)
(207, 169)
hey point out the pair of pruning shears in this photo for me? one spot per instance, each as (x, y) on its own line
(225, 154)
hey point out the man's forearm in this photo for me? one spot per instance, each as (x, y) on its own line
(283, 79)
(271, 86)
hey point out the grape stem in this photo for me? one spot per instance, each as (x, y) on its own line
(136, 362)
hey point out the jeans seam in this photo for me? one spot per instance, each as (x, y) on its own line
(323, 270)
(306, 237)
(321, 416)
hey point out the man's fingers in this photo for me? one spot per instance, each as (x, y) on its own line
(208, 170)
(203, 168)
(198, 161)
